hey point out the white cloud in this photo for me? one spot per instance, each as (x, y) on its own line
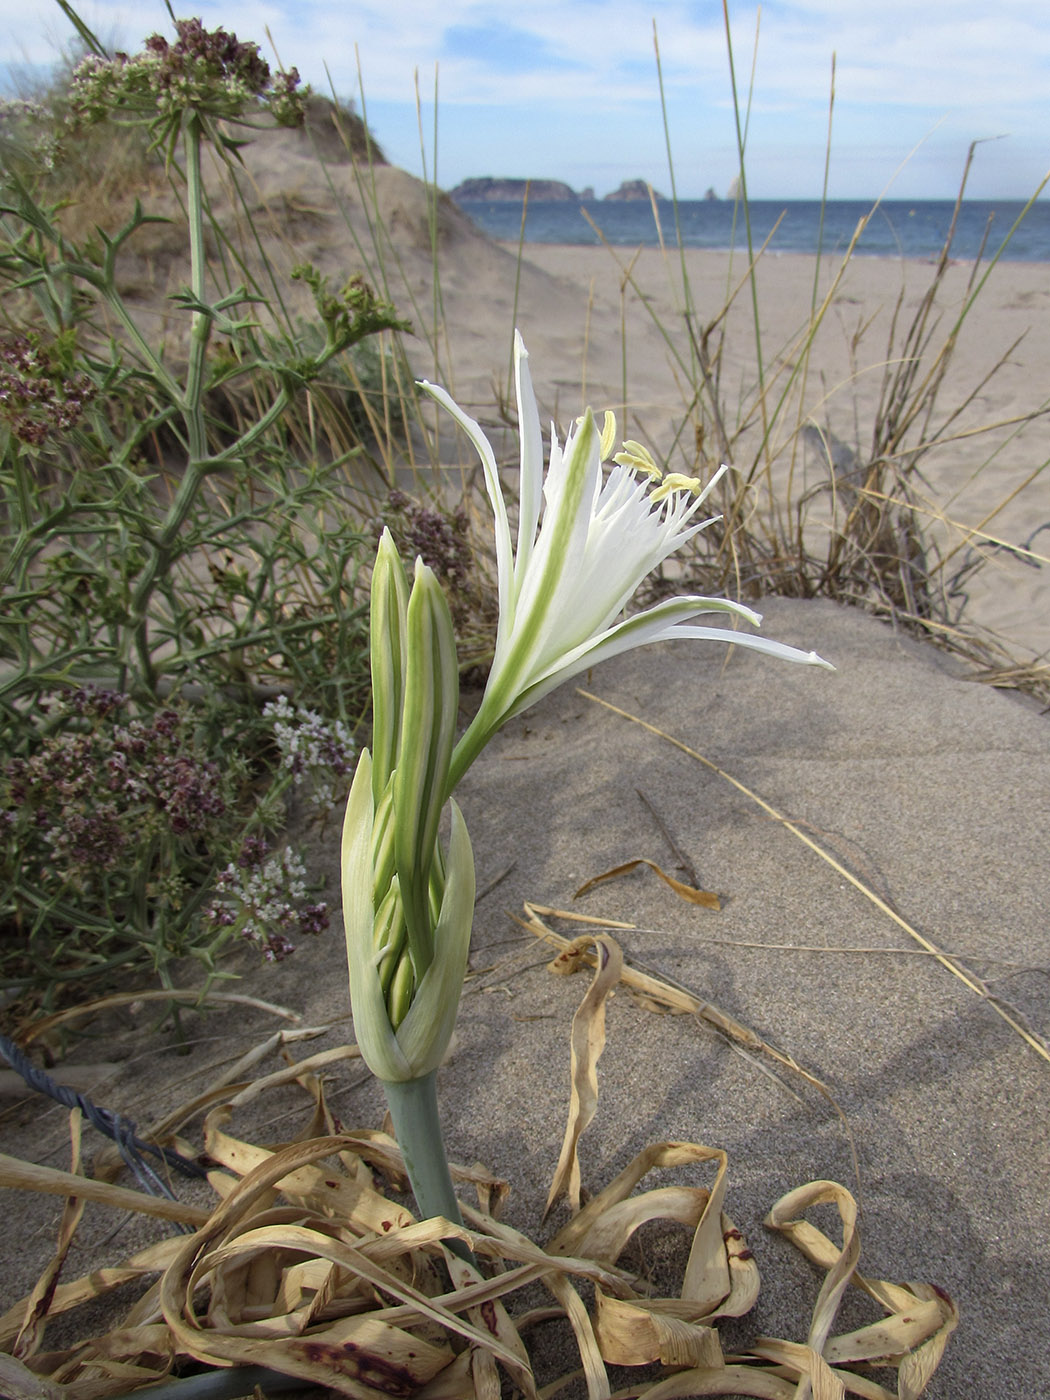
(936, 56)
(902, 69)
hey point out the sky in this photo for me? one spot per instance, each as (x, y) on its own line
(569, 89)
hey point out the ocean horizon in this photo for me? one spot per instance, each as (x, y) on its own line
(895, 229)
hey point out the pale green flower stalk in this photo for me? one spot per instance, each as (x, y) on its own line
(586, 539)
(407, 907)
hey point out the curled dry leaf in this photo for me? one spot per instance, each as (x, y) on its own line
(689, 893)
(18, 1382)
(307, 1267)
(587, 1041)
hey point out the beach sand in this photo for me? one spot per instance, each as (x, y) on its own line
(930, 789)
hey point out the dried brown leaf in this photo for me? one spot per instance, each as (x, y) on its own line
(722, 1380)
(18, 1382)
(305, 1267)
(637, 1332)
(38, 1304)
(689, 893)
(587, 1041)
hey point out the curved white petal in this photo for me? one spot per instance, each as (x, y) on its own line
(579, 561)
(657, 624)
(504, 548)
(530, 476)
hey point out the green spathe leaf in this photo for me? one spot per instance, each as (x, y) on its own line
(388, 624)
(425, 1032)
(428, 731)
(418, 1045)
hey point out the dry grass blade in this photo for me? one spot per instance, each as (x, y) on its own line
(17, 1175)
(184, 996)
(689, 893)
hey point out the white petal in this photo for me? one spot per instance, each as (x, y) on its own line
(667, 621)
(530, 475)
(504, 549)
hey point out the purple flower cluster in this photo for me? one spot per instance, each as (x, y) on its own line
(37, 398)
(441, 539)
(96, 790)
(213, 51)
(204, 70)
(259, 897)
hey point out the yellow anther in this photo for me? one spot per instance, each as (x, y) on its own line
(638, 459)
(674, 481)
(608, 433)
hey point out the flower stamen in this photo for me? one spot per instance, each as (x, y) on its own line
(637, 458)
(675, 481)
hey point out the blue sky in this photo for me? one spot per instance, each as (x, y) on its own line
(567, 89)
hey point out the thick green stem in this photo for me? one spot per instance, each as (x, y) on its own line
(417, 1127)
(191, 408)
(200, 324)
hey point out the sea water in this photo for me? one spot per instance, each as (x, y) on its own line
(894, 229)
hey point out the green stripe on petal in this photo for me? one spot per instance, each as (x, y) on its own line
(424, 1034)
(372, 1029)
(428, 731)
(389, 603)
(561, 542)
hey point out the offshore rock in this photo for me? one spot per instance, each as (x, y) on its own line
(490, 188)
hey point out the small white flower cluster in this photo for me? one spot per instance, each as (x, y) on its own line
(29, 127)
(259, 896)
(315, 750)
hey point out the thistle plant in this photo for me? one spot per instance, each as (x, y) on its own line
(72, 395)
(587, 536)
(153, 546)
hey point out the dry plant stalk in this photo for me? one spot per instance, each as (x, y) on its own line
(307, 1268)
(949, 961)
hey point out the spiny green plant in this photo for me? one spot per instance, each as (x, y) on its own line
(160, 547)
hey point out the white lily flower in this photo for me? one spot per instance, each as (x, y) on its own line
(564, 587)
